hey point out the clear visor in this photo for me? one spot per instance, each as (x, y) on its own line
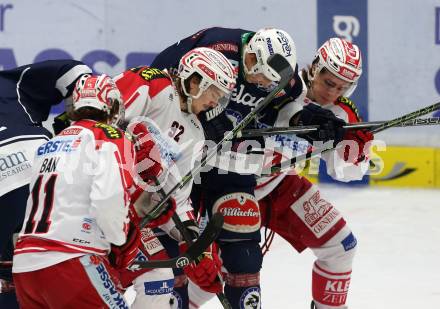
(212, 90)
(216, 101)
(219, 96)
(261, 65)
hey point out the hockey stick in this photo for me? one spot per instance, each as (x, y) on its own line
(288, 164)
(189, 241)
(280, 65)
(306, 129)
(209, 234)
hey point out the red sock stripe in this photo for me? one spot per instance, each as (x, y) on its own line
(330, 288)
(242, 280)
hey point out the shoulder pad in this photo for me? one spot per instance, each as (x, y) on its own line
(350, 104)
(148, 73)
(109, 131)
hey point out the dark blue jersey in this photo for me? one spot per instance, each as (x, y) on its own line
(27, 93)
(230, 42)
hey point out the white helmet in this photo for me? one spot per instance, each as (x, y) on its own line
(266, 42)
(99, 92)
(342, 58)
(214, 68)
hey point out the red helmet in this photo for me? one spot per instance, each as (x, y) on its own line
(342, 58)
(99, 92)
(212, 65)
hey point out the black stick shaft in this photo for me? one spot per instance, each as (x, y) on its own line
(360, 125)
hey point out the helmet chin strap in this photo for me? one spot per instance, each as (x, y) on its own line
(189, 104)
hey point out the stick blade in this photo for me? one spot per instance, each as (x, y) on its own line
(210, 234)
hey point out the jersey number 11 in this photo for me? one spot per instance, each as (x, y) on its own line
(44, 222)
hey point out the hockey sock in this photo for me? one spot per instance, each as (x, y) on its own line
(243, 290)
(329, 289)
(179, 299)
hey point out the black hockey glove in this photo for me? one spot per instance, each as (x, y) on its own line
(216, 128)
(330, 126)
(60, 122)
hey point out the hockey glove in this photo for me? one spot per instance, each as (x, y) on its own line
(166, 214)
(60, 122)
(122, 256)
(148, 160)
(330, 126)
(361, 137)
(205, 271)
(144, 202)
(216, 128)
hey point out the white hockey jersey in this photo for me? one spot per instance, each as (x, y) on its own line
(79, 196)
(150, 96)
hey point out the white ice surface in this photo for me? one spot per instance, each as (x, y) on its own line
(398, 260)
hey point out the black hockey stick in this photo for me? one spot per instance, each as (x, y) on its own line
(280, 65)
(288, 164)
(209, 234)
(360, 125)
(189, 241)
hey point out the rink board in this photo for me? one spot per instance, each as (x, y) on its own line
(407, 167)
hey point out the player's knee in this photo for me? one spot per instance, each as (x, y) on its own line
(242, 256)
(154, 289)
(338, 253)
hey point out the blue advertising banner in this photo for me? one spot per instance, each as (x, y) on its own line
(346, 19)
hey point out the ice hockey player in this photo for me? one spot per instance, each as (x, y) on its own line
(26, 94)
(78, 207)
(331, 79)
(165, 110)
